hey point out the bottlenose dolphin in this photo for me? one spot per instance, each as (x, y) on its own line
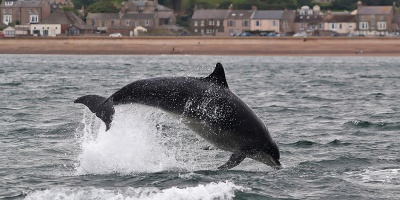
(206, 105)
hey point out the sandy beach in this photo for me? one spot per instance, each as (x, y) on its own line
(285, 46)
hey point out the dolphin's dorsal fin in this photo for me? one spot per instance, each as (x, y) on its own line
(218, 76)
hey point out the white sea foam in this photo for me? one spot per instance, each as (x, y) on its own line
(222, 190)
(134, 144)
(388, 177)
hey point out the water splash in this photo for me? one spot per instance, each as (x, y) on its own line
(222, 190)
(136, 143)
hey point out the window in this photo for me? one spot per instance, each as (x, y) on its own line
(382, 18)
(202, 31)
(147, 23)
(36, 11)
(202, 23)
(218, 23)
(363, 25)
(136, 24)
(10, 11)
(9, 3)
(332, 26)
(103, 23)
(195, 30)
(320, 26)
(112, 22)
(245, 23)
(93, 22)
(211, 22)
(34, 19)
(128, 22)
(274, 23)
(301, 26)
(231, 23)
(30, 10)
(381, 25)
(7, 19)
(285, 23)
(196, 23)
(362, 18)
(258, 23)
(340, 26)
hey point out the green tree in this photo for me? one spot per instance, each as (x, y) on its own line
(102, 7)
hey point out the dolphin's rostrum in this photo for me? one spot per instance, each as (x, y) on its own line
(207, 106)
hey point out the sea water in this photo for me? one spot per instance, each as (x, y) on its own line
(336, 121)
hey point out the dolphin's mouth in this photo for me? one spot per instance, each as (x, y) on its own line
(266, 159)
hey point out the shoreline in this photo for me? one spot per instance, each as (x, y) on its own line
(245, 46)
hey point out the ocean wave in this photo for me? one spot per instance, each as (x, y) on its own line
(373, 176)
(222, 190)
(12, 84)
(379, 125)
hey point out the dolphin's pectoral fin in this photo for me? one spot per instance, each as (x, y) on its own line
(233, 161)
(218, 76)
(101, 106)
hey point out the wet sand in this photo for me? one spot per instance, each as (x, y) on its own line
(290, 46)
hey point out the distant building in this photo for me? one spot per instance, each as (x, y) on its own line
(238, 21)
(341, 23)
(374, 20)
(279, 21)
(67, 19)
(208, 22)
(134, 13)
(24, 12)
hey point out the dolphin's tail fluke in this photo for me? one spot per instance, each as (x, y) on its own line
(101, 106)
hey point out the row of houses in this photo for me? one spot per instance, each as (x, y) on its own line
(365, 20)
(148, 15)
(157, 19)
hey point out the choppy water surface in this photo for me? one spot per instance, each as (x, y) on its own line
(335, 119)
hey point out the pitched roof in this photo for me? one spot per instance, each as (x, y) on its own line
(209, 14)
(311, 19)
(138, 16)
(61, 17)
(28, 4)
(288, 14)
(239, 14)
(103, 16)
(267, 14)
(164, 15)
(340, 18)
(375, 10)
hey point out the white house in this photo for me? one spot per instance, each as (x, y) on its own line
(45, 29)
(9, 32)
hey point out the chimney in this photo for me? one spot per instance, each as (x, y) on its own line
(195, 7)
(230, 7)
(359, 4)
(254, 8)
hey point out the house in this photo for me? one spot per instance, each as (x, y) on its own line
(266, 20)
(341, 23)
(308, 20)
(45, 29)
(287, 21)
(237, 21)
(9, 32)
(134, 13)
(66, 19)
(374, 20)
(24, 12)
(208, 22)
